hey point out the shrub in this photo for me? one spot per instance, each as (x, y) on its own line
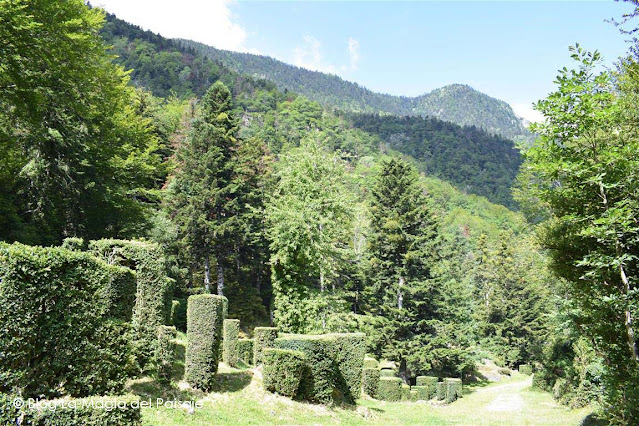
(119, 294)
(350, 349)
(423, 393)
(405, 392)
(453, 389)
(370, 381)
(430, 383)
(245, 350)
(504, 371)
(414, 395)
(390, 389)
(283, 370)
(95, 411)
(387, 373)
(371, 363)
(204, 335)
(440, 390)
(229, 342)
(165, 355)
(526, 369)
(73, 243)
(153, 297)
(58, 336)
(264, 337)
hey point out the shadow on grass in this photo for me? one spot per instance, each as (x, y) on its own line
(592, 420)
(147, 387)
(232, 381)
(178, 365)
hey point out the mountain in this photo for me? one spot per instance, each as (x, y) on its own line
(457, 103)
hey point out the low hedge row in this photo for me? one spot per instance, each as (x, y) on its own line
(165, 353)
(245, 351)
(263, 337)
(229, 342)
(405, 392)
(453, 389)
(283, 371)
(440, 391)
(370, 381)
(389, 389)
(422, 392)
(387, 373)
(430, 385)
(204, 334)
(95, 411)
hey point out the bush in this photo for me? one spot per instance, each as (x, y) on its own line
(440, 390)
(453, 389)
(370, 381)
(95, 411)
(422, 392)
(430, 383)
(526, 369)
(264, 337)
(405, 392)
(350, 349)
(371, 363)
(153, 298)
(245, 351)
(165, 355)
(204, 335)
(178, 314)
(504, 371)
(58, 336)
(414, 395)
(74, 243)
(390, 389)
(387, 373)
(229, 342)
(283, 370)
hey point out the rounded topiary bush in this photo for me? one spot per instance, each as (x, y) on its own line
(204, 334)
(231, 333)
(283, 370)
(370, 381)
(370, 362)
(165, 353)
(390, 389)
(263, 337)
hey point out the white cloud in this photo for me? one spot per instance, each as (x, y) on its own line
(353, 52)
(207, 21)
(527, 112)
(309, 56)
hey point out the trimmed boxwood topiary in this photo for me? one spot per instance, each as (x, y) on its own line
(370, 381)
(283, 370)
(526, 369)
(405, 392)
(422, 392)
(440, 391)
(263, 337)
(95, 411)
(349, 357)
(414, 395)
(165, 353)
(229, 342)
(61, 334)
(430, 382)
(371, 363)
(387, 373)
(204, 335)
(390, 389)
(453, 389)
(245, 351)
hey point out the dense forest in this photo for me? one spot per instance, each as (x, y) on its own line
(135, 162)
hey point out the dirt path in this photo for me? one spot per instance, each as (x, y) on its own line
(506, 397)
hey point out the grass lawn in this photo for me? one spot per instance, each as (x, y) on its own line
(238, 398)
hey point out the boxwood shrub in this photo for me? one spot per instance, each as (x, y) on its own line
(204, 335)
(430, 383)
(405, 392)
(245, 351)
(370, 381)
(440, 391)
(165, 356)
(74, 243)
(390, 389)
(422, 392)
(229, 342)
(526, 369)
(283, 370)
(453, 389)
(263, 337)
(387, 373)
(414, 395)
(370, 362)
(59, 335)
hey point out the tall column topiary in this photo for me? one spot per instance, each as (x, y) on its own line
(230, 349)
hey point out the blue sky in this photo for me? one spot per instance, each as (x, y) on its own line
(508, 49)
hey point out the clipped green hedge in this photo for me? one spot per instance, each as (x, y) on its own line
(370, 381)
(153, 297)
(526, 369)
(58, 334)
(371, 363)
(430, 383)
(335, 364)
(229, 346)
(94, 411)
(414, 395)
(245, 351)
(263, 337)
(440, 391)
(405, 392)
(423, 393)
(453, 389)
(165, 355)
(204, 336)
(74, 243)
(283, 370)
(390, 389)
(387, 373)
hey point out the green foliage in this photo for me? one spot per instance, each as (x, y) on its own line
(385, 372)
(371, 363)
(422, 393)
(178, 314)
(74, 243)
(390, 389)
(440, 390)
(263, 337)
(525, 369)
(230, 354)
(429, 383)
(453, 389)
(245, 351)
(204, 334)
(405, 392)
(59, 337)
(165, 353)
(283, 371)
(370, 381)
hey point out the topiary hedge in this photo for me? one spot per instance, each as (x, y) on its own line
(283, 370)
(74, 243)
(263, 337)
(440, 391)
(387, 373)
(58, 335)
(153, 296)
(370, 381)
(204, 335)
(371, 363)
(390, 389)
(229, 342)
(453, 389)
(414, 395)
(405, 392)
(245, 351)
(335, 364)
(165, 355)
(430, 383)
(526, 369)
(95, 411)
(422, 392)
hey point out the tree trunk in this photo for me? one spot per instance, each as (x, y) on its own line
(220, 277)
(207, 274)
(400, 297)
(403, 371)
